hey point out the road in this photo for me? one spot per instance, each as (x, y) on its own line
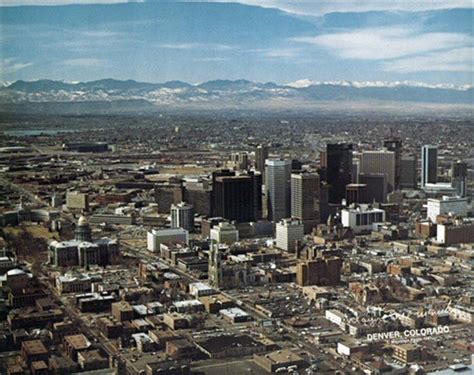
(290, 331)
(149, 257)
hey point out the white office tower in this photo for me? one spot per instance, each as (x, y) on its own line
(182, 216)
(288, 233)
(278, 190)
(454, 206)
(379, 162)
(169, 236)
(224, 233)
(429, 165)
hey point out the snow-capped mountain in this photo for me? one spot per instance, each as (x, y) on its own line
(222, 93)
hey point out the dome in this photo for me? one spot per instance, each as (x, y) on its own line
(82, 221)
(15, 272)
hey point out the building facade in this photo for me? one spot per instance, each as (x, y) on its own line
(305, 199)
(289, 232)
(278, 190)
(83, 250)
(429, 165)
(379, 162)
(361, 218)
(182, 216)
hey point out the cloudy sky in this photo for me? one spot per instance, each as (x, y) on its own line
(280, 41)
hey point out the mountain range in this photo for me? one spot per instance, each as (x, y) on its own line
(110, 95)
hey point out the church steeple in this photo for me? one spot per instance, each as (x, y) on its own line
(215, 270)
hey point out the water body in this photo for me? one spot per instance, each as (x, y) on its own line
(36, 133)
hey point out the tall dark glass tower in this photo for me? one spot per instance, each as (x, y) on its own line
(237, 197)
(429, 165)
(339, 170)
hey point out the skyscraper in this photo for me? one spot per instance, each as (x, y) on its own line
(379, 162)
(408, 171)
(339, 170)
(288, 232)
(429, 165)
(376, 186)
(261, 154)
(277, 183)
(395, 145)
(305, 199)
(238, 161)
(235, 199)
(182, 216)
(459, 178)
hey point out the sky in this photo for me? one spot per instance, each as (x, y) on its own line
(273, 40)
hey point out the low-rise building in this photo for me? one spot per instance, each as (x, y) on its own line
(74, 344)
(361, 218)
(406, 353)
(33, 351)
(224, 233)
(280, 359)
(158, 236)
(235, 315)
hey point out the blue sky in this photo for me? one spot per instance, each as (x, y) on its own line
(279, 41)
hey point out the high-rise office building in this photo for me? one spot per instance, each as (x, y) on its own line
(288, 233)
(166, 194)
(198, 193)
(408, 171)
(182, 216)
(395, 145)
(339, 170)
(234, 197)
(239, 161)
(429, 165)
(356, 193)
(257, 182)
(261, 154)
(459, 178)
(377, 162)
(278, 192)
(376, 186)
(305, 199)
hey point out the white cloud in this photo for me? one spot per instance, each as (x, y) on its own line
(308, 7)
(321, 7)
(190, 46)
(61, 2)
(455, 60)
(211, 59)
(12, 65)
(281, 53)
(275, 53)
(385, 43)
(88, 62)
